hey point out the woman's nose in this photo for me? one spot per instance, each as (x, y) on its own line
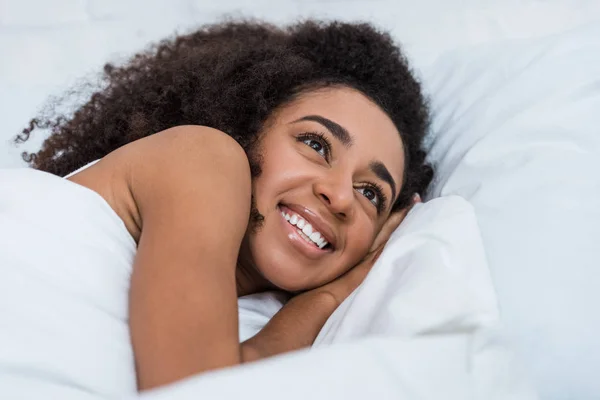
(337, 195)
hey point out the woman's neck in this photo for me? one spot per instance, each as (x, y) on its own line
(248, 278)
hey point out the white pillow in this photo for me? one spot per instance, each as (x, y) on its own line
(516, 132)
(431, 278)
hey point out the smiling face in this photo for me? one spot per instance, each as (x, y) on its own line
(332, 167)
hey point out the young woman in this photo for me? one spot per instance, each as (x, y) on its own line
(242, 158)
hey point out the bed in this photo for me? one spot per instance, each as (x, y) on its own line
(489, 288)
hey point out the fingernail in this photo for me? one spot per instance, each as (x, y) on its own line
(416, 198)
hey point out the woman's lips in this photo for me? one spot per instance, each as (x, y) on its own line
(309, 249)
(315, 220)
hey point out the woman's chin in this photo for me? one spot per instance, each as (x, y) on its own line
(287, 280)
(290, 285)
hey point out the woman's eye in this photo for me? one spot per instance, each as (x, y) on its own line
(318, 142)
(374, 193)
(316, 146)
(370, 194)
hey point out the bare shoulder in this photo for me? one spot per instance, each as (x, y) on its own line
(186, 149)
(188, 173)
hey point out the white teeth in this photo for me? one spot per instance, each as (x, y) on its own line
(307, 230)
(303, 236)
(318, 239)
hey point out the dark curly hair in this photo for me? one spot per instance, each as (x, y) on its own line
(232, 76)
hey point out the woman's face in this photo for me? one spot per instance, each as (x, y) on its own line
(332, 163)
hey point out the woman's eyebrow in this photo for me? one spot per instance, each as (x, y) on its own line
(338, 131)
(382, 173)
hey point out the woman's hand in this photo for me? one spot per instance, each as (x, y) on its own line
(343, 286)
(300, 320)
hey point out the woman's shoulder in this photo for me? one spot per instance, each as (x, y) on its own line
(179, 152)
(190, 155)
(188, 146)
(188, 162)
(194, 169)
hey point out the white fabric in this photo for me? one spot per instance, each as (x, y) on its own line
(430, 28)
(516, 132)
(431, 279)
(423, 325)
(456, 367)
(81, 169)
(65, 264)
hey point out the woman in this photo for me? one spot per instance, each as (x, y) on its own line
(243, 158)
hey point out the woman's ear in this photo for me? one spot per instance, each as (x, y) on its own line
(390, 225)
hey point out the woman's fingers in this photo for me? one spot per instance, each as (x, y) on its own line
(356, 275)
(388, 228)
(391, 225)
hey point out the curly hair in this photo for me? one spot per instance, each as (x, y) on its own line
(232, 76)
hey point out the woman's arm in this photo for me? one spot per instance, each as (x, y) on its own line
(299, 322)
(192, 187)
(294, 327)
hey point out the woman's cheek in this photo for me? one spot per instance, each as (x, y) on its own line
(362, 239)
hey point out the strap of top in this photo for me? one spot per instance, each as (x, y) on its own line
(81, 169)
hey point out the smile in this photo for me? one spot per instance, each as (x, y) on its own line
(302, 233)
(305, 230)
